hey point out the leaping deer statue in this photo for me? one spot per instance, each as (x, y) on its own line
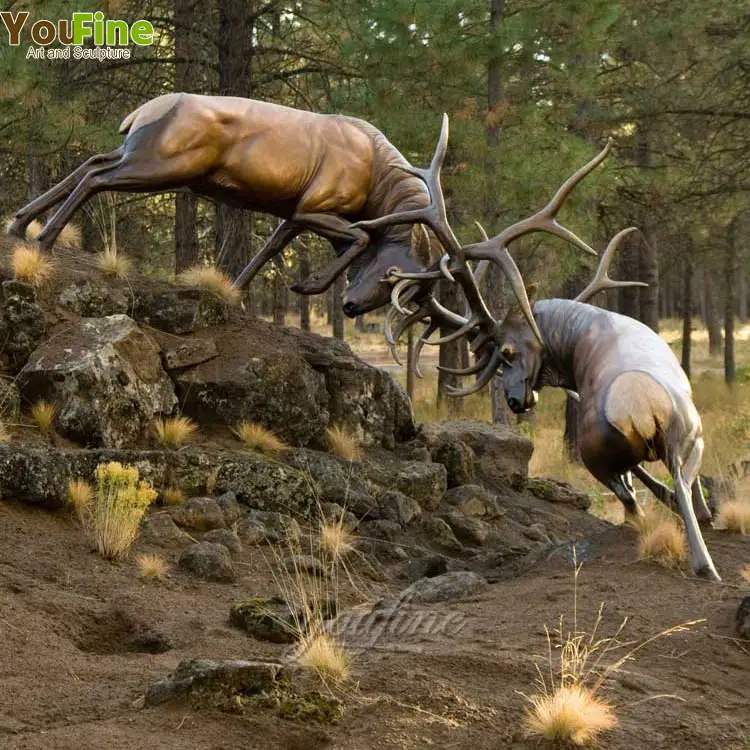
(321, 173)
(635, 400)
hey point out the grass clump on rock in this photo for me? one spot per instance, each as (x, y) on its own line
(44, 413)
(30, 266)
(174, 432)
(211, 280)
(114, 263)
(254, 436)
(172, 496)
(343, 443)
(111, 514)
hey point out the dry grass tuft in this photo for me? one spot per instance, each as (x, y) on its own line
(210, 280)
(44, 413)
(568, 706)
(111, 517)
(256, 437)
(30, 266)
(322, 653)
(175, 431)
(153, 567)
(573, 713)
(661, 538)
(172, 496)
(80, 495)
(745, 574)
(734, 516)
(33, 230)
(114, 263)
(344, 443)
(5, 435)
(335, 540)
(70, 236)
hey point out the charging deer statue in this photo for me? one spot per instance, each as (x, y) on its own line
(321, 173)
(635, 400)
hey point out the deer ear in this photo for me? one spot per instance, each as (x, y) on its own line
(420, 244)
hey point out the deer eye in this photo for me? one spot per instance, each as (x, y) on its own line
(507, 352)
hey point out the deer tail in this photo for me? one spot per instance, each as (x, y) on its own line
(127, 123)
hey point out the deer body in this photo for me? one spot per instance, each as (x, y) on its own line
(635, 401)
(320, 173)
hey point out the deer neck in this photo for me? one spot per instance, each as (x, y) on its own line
(568, 330)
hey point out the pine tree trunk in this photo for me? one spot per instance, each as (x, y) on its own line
(337, 313)
(233, 226)
(713, 319)
(629, 265)
(687, 313)
(279, 298)
(186, 204)
(449, 354)
(730, 271)
(742, 308)
(304, 299)
(410, 364)
(648, 297)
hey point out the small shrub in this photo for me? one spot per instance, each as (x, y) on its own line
(112, 518)
(256, 437)
(172, 496)
(343, 443)
(44, 413)
(114, 263)
(174, 431)
(210, 280)
(661, 538)
(321, 652)
(734, 516)
(79, 496)
(70, 237)
(572, 713)
(30, 266)
(152, 567)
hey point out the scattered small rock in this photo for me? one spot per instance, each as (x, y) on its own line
(267, 527)
(473, 501)
(395, 506)
(459, 462)
(457, 585)
(556, 491)
(229, 507)
(158, 528)
(209, 561)
(468, 530)
(188, 352)
(333, 513)
(199, 514)
(226, 537)
(440, 534)
(206, 676)
(387, 531)
(295, 564)
(274, 619)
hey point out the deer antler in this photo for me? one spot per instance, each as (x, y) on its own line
(601, 280)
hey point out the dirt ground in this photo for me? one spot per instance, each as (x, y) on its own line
(81, 639)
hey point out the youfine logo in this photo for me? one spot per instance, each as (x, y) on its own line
(105, 39)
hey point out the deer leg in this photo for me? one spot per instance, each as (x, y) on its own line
(700, 559)
(662, 492)
(334, 229)
(700, 507)
(281, 237)
(622, 486)
(31, 210)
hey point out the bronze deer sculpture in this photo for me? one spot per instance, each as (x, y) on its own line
(321, 173)
(635, 400)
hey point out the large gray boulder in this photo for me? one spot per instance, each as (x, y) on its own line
(501, 454)
(106, 379)
(296, 384)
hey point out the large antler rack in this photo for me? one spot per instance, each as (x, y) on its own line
(601, 280)
(455, 264)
